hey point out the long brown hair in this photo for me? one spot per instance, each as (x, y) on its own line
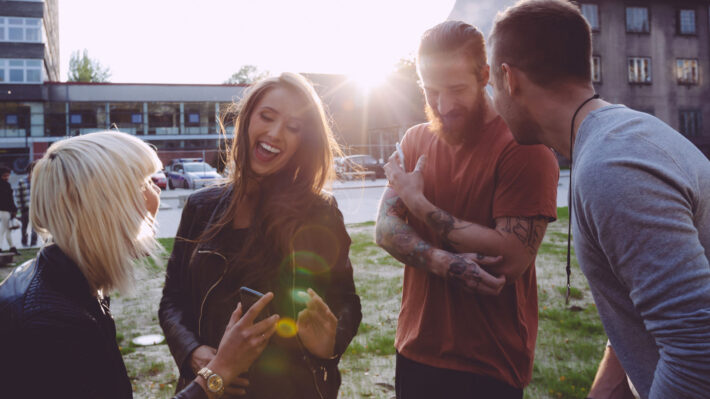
(286, 198)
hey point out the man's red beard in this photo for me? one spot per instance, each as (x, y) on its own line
(473, 120)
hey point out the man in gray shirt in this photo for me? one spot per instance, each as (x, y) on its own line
(640, 199)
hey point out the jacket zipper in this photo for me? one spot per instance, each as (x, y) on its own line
(204, 299)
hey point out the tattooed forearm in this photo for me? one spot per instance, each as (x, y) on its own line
(464, 272)
(443, 223)
(398, 238)
(527, 230)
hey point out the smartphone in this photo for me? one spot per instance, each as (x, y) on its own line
(400, 153)
(248, 298)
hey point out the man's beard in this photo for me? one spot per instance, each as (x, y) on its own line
(473, 120)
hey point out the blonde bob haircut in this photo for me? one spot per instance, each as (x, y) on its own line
(87, 198)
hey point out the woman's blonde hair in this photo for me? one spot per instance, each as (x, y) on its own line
(87, 197)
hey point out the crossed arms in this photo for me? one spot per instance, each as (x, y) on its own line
(515, 239)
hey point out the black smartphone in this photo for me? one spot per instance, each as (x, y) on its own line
(248, 298)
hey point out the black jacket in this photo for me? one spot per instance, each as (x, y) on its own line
(201, 291)
(57, 340)
(7, 202)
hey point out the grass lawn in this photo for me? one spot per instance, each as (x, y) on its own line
(569, 346)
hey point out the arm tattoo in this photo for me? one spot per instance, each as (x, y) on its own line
(464, 272)
(443, 223)
(398, 238)
(526, 230)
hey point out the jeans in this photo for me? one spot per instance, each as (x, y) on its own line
(25, 220)
(415, 380)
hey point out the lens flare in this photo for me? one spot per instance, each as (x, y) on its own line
(300, 297)
(286, 327)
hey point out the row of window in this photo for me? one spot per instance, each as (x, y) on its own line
(20, 71)
(637, 19)
(192, 118)
(21, 30)
(639, 70)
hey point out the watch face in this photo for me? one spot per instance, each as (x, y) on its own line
(214, 383)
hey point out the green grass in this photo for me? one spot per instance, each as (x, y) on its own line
(569, 345)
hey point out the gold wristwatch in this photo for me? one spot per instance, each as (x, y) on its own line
(214, 381)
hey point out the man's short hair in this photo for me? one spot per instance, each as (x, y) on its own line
(4, 170)
(451, 37)
(549, 40)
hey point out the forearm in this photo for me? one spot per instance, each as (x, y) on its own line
(610, 381)
(516, 239)
(402, 242)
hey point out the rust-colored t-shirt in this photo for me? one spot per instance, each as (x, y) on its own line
(440, 324)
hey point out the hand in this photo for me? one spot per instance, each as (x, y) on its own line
(316, 327)
(465, 270)
(243, 341)
(408, 185)
(202, 355)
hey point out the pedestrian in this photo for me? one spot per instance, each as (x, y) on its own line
(22, 199)
(466, 214)
(8, 209)
(93, 201)
(271, 227)
(640, 199)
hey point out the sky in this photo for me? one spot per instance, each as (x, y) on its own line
(205, 41)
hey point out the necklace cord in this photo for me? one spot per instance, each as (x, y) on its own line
(568, 269)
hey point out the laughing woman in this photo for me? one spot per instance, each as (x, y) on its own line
(270, 228)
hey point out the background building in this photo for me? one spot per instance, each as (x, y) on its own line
(651, 55)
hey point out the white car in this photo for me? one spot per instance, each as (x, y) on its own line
(191, 174)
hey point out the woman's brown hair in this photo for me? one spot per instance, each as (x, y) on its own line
(286, 198)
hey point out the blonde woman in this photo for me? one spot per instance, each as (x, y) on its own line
(270, 228)
(94, 203)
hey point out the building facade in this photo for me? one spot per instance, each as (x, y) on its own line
(654, 56)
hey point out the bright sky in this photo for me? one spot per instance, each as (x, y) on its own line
(205, 41)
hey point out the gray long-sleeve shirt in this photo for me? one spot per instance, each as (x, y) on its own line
(641, 219)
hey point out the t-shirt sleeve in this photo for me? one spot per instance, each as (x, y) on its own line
(526, 183)
(409, 146)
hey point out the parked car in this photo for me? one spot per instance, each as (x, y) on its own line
(191, 173)
(355, 166)
(159, 179)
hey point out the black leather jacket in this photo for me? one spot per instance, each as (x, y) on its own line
(57, 340)
(201, 291)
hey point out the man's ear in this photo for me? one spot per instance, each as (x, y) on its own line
(485, 75)
(511, 80)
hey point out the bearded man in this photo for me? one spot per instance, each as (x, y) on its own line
(466, 216)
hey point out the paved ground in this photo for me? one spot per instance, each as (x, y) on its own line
(357, 200)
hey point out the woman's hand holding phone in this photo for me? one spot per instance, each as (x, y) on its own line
(243, 341)
(202, 355)
(317, 326)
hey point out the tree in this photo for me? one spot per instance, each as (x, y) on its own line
(247, 74)
(84, 69)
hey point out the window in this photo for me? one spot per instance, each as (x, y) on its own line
(591, 13)
(639, 70)
(11, 119)
(193, 118)
(637, 20)
(21, 71)
(687, 72)
(690, 123)
(20, 30)
(75, 119)
(136, 118)
(596, 69)
(686, 22)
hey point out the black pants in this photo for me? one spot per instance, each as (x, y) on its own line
(25, 220)
(415, 380)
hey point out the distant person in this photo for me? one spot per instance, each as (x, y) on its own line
(640, 199)
(271, 227)
(94, 202)
(22, 200)
(8, 209)
(468, 324)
